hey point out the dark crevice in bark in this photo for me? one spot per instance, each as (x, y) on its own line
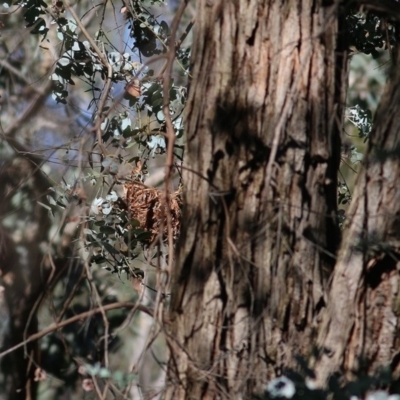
(320, 305)
(395, 363)
(218, 156)
(230, 148)
(377, 273)
(250, 40)
(188, 265)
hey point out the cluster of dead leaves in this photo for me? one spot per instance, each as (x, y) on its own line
(148, 206)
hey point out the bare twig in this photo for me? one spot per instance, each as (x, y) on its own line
(387, 7)
(106, 91)
(169, 164)
(58, 325)
(178, 44)
(185, 33)
(101, 307)
(5, 64)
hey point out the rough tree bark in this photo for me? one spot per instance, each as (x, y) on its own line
(259, 230)
(362, 322)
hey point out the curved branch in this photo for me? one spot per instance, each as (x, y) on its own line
(57, 325)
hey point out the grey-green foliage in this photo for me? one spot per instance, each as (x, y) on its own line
(368, 32)
(361, 118)
(139, 130)
(149, 37)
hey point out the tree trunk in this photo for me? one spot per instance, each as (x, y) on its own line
(23, 281)
(17, 367)
(259, 225)
(361, 328)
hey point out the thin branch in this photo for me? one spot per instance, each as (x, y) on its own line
(185, 33)
(170, 129)
(102, 311)
(16, 72)
(388, 7)
(106, 91)
(180, 41)
(58, 325)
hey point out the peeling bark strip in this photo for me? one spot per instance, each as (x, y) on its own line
(259, 223)
(362, 322)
